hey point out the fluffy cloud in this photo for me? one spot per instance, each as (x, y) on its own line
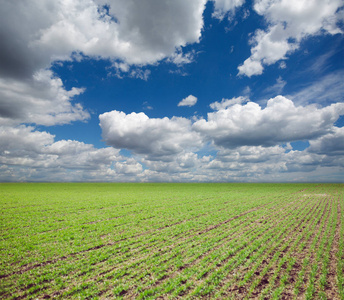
(188, 101)
(41, 100)
(244, 139)
(329, 144)
(224, 6)
(155, 138)
(279, 122)
(78, 155)
(26, 154)
(276, 164)
(110, 29)
(248, 142)
(246, 162)
(35, 155)
(128, 167)
(184, 162)
(22, 139)
(123, 31)
(251, 154)
(289, 23)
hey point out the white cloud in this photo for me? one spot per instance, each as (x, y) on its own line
(281, 121)
(251, 67)
(132, 34)
(128, 167)
(78, 155)
(269, 47)
(225, 103)
(251, 154)
(222, 7)
(183, 162)
(157, 139)
(257, 163)
(289, 23)
(138, 73)
(246, 137)
(124, 67)
(251, 143)
(137, 33)
(246, 14)
(41, 100)
(188, 101)
(302, 16)
(179, 58)
(23, 138)
(26, 154)
(33, 155)
(330, 144)
(248, 163)
(282, 65)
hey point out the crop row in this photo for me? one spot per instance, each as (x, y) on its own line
(178, 241)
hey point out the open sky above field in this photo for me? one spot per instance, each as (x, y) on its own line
(162, 90)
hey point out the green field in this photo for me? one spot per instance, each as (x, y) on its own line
(106, 241)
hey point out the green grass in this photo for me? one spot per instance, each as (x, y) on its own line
(235, 241)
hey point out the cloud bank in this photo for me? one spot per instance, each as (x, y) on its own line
(249, 141)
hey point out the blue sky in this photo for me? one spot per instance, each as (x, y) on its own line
(194, 91)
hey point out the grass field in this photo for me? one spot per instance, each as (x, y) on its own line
(105, 241)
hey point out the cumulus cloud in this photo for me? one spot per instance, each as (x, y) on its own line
(269, 48)
(289, 23)
(251, 154)
(188, 101)
(34, 155)
(329, 144)
(279, 122)
(248, 163)
(26, 154)
(153, 137)
(275, 164)
(128, 167)
(121, 29)
(41, 100)
(248, 142)
(245, 139)
(184, 162)
(78, 155)
(23, 138)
